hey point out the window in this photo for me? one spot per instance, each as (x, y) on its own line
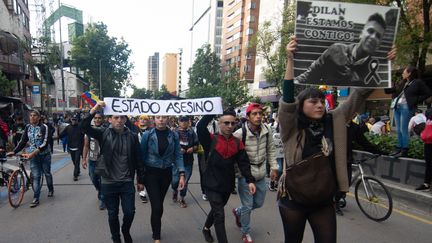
(249, 31)
(229, 4)
(248, 56)
(220, 4)
(250, 18)
(246, 68)
(228, 51)
(252, 5)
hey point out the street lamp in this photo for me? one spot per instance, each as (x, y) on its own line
(100, 79)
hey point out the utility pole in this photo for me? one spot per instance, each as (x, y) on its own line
(100, 79)
(61, 64)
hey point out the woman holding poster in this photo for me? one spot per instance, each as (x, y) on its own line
(315, 157)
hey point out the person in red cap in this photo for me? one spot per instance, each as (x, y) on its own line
(259, 145)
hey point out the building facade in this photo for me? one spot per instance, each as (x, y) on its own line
(216, 20)
(170, 72)
(153, 72)
(240, 22)
(15, 44)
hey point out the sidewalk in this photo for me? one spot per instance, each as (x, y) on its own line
(403, 195)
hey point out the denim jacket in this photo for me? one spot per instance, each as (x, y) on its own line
(172, 155)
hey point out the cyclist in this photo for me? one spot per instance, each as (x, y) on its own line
(36, 136)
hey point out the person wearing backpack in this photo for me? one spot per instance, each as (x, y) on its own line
(221, 151)
(259, 145)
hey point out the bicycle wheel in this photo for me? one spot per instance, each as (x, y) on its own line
(377, 204)
(41, 181)
(16, 188)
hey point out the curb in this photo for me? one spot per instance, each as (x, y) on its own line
(403, 195)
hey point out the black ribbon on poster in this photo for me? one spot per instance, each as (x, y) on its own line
(372, 75)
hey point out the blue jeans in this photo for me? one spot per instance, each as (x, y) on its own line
(38, 165)
(249, 202)
(95, 179)
(113, 194)
(280, 164)
(176, 178)
(402, 115)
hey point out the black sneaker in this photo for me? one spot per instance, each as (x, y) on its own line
(34, 203)
(207, 235)
(272, 186)
(338, 210)
(102, 205)
(75, 178)
(144, 199)
(174, 197)
(423, 187)
(51, 194)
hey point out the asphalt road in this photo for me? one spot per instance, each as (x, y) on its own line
(73, 216)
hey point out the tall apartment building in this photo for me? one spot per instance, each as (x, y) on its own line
(170, 72)
(270, 11)
(15, 45)
(240, 22)
(216, 20)
(153, 72)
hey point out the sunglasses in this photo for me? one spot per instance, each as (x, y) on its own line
(227, 123)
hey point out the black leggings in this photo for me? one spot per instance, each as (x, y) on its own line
(157, 182)
(322, 220)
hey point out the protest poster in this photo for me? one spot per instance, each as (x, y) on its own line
(344, 44)
(136, 107)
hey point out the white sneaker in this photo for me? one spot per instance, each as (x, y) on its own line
(143, 193)
(204, 197)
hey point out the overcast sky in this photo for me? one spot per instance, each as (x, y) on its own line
(148, 26)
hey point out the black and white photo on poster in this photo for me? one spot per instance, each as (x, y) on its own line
(344, 44)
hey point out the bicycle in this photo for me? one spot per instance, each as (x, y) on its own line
(372, 196)
(20, 181)
(4, 174)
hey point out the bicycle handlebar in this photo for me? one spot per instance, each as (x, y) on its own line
(360, 161)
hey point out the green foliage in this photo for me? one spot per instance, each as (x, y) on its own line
(141, 93)
(387, 143)
(157, 94)
(94, 51)
(205, 74)
(234, 92)
(270, 41)
(6, 85)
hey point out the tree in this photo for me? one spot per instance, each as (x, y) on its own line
(6, 85)
(205, 74)
(141, 93)
(157, 94)
(95, 51)
(270, 41)
(234, 92)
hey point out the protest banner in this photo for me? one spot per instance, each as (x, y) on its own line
(136, 107)
(344, 44)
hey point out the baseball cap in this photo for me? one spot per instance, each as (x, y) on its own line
(183, 118)
(253, 106)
